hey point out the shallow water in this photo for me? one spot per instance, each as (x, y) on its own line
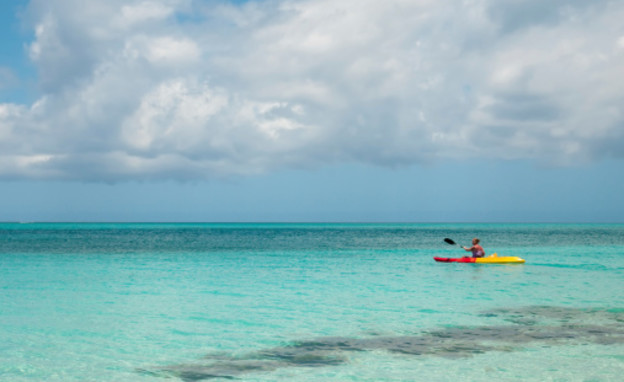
(266, 302)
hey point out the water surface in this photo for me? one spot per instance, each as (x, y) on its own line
(272, 302)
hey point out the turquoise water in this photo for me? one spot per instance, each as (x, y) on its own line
(309, 302)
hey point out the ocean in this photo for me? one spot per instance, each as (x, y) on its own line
(309, 302)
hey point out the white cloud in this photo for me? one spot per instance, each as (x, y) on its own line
(174, 116)
(163, 51)
(173, 51)
(136, 13)
(187, 89)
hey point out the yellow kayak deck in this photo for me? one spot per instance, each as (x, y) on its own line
(499, 260)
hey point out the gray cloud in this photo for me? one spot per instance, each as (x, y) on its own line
(513, 15)
(191, 89)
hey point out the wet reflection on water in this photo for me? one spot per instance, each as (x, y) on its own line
(539, 325)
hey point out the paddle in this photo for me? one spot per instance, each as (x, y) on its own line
(449, 241)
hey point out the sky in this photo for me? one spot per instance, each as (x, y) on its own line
(312, 110)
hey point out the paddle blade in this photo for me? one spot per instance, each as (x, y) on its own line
(449, 241)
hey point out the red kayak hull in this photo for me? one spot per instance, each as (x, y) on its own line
(455, 260)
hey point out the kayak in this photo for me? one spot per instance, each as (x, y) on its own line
(494, 259)
(481, 260)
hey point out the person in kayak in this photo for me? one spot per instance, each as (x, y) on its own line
(476, 249)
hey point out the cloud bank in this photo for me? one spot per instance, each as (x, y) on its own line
(192, 89)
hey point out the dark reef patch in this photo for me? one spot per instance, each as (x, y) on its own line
(534, 325)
